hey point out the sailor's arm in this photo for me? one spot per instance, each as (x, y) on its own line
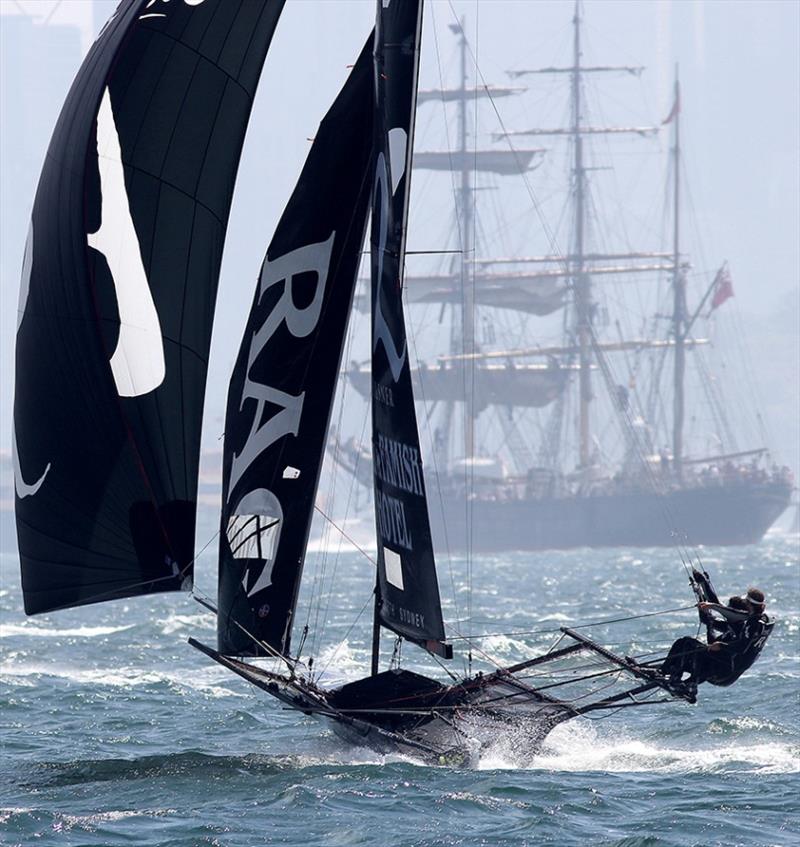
(730, 615)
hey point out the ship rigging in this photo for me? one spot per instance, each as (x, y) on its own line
(570, 442)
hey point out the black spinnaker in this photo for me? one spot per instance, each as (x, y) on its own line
(282, 387)
(117, 298)
(408, 590)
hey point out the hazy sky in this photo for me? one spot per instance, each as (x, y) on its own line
(741, 81)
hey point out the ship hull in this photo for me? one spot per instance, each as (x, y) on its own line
(720, 515)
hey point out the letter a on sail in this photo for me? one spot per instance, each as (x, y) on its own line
(138, 361)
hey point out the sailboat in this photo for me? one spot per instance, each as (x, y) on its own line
(552, 446)
(117, 301)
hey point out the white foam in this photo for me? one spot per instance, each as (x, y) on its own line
(176, 623)
(339, 663)
(503, 645)
(206, 681)
(578, 747)
(35, 631)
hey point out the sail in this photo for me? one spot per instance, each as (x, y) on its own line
(504, 162)
(519, 386)
(451, 95)
(282, 387)
(117, 298)
(408, 591)
(517, 291)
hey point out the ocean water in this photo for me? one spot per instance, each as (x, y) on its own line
(116, 732)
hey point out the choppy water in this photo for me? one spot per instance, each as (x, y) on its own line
(114, 731)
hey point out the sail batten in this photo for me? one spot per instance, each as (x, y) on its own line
(282, 387)
(118, 297)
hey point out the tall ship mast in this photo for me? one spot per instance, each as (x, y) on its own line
(518, 428)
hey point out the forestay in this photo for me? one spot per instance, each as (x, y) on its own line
(408, 591)
(117, 298)
(282, 387)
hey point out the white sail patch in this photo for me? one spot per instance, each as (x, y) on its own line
(398, 142)
(161, 3)
(394, 568)
(138, 362)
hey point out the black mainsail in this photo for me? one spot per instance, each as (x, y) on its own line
(282, 387)
(117, 298)
(408, 591)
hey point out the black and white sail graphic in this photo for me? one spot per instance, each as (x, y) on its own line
(282, 387)
(117, 298)
(408, 589)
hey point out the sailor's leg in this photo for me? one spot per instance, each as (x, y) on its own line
(682, 657)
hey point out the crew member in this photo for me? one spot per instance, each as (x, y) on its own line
(734, 643)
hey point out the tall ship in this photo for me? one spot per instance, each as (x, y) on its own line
(618, 432)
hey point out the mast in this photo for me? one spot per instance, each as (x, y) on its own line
(579, 262)
(581, 280)
(679, 301)
(467, 301)
(407, 597)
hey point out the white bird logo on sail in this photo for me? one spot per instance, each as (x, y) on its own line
(138, 361)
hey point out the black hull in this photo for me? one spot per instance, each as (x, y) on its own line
(400, 711)
(720, 515)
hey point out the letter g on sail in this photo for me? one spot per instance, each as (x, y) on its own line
(381, 332)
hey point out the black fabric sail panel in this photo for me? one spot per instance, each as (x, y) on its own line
(117, 298)
(408, 589)
(283, 382)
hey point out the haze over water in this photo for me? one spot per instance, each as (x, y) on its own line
(115, 731)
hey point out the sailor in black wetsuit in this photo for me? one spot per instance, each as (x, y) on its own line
(735, 640)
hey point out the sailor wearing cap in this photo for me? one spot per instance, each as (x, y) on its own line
(736, 634)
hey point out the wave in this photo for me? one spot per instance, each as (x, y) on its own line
(33, 631)
(206, 681)
(580, 748)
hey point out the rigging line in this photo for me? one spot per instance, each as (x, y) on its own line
(550, 630)
(204, 600)
(459, 213)
(551, 238)
(658, 486)
(435, 468)
(337, 527)
(318, 586)
(341, 643)
(447, 134)
(353, 483)
(472, 364)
